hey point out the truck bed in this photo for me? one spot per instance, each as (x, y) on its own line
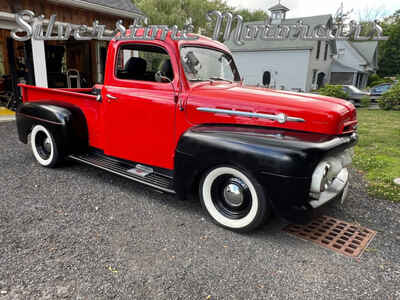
(84, 98)
(33, 93)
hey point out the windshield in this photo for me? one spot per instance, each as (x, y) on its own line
(203, 64)
(381, 88)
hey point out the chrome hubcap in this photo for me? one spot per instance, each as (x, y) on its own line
(233, 193)
(47, 145)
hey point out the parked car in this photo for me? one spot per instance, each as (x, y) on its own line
(355, 94)
(174, 115)
(378, 90)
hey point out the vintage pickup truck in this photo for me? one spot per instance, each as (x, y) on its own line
(176, 116)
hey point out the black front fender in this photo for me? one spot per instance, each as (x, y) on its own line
(282, 161)
(66, 122)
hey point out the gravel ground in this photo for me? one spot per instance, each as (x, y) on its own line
(80, 233)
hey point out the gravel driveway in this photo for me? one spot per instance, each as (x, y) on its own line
(80, 233)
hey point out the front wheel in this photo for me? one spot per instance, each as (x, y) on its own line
(233, 199)
(44, 146)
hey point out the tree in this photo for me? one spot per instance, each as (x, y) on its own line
(389, 51)
(249, 16)
(177, 12)
(370, 14)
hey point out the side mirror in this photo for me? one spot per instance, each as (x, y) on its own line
(160, 77)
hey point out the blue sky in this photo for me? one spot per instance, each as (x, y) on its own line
(320, 7)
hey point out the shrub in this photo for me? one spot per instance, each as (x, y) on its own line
(365, 101)
(373, 78)
(333, 91)
(384, 80)
(391, 99)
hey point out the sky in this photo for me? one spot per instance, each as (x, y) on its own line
(321, 7)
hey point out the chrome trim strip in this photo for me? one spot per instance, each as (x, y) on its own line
(281, 118)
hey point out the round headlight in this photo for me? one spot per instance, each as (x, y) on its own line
(319, 181)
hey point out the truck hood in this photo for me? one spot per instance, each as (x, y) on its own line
(321, 114)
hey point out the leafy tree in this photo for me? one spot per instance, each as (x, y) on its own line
(389, 51)
(372, 79)
(249, 16)
(177, 12)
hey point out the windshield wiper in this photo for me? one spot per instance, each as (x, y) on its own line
(220, 79)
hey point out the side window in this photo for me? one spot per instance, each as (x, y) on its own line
(326, 51)
(318, 49)
(143, 63)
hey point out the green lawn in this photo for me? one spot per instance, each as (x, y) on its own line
(378, 151)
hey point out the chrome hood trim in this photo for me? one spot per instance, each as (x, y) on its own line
(280, 118)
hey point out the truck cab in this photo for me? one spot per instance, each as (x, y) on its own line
(175, 115)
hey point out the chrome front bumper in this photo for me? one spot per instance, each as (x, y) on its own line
(339, 187)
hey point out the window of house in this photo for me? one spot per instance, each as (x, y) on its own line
(326, 50)
(277, 15)
(314, 76)
(318, 49)
(266, 78)
(341, 52)
(143, 63)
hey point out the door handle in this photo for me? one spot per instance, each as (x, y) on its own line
(111, 97)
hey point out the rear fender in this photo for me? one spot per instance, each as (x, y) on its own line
(66, 122)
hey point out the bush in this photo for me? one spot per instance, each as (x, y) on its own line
(391, 99)
(384, 80)
(333, 91)
(365, 101)
(373, 78)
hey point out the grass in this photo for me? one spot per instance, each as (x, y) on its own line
(378, 151)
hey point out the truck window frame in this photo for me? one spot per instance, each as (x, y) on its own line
(130, 44)
(209, 48)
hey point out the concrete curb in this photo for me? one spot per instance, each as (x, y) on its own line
(7, 118)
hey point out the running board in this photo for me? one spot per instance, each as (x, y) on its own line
(136, 172)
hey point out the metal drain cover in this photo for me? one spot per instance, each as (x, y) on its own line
(339, 236)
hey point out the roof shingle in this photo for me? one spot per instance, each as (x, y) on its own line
(298, 44)
(279, 6)
(126, 5)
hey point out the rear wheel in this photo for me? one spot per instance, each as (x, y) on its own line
(233, 199)
(44, 146)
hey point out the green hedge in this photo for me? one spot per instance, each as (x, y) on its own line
(375, 79)
(333, 91)
(391, 99)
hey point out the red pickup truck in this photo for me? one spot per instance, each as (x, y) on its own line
(175, 115)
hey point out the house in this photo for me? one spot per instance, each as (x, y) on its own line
(303, 65)
(60, 63)
(354, 62)
(298, 65)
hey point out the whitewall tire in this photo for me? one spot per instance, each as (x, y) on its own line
(233, 199)
(44, 146)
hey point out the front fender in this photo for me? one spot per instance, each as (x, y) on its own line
(282, 161)
(66, 122)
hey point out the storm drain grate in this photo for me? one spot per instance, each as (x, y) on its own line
(340, 236)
